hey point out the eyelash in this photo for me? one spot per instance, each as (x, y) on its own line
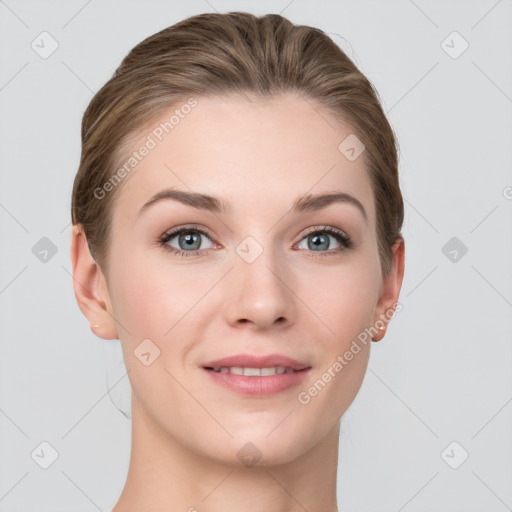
(341, 237)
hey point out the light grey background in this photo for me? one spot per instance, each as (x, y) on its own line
(443, 371)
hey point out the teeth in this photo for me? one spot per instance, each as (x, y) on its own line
(254, 372)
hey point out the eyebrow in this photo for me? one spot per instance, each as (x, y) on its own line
(306, 203)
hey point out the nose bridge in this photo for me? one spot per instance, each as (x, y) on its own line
(260, 292)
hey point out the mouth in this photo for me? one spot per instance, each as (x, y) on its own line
(255, 376)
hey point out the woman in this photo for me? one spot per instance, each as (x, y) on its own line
(236, 225)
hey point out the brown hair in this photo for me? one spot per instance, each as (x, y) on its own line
(235, 52)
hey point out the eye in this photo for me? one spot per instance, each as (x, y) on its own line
(319, 240)
(188, 240)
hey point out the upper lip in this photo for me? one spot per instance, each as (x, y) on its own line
(250, 361)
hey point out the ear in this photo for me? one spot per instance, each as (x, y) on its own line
(90, 287)
(390, 289)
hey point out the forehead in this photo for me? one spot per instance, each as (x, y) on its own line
(253, 153)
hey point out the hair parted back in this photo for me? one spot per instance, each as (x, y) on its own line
(218, 54)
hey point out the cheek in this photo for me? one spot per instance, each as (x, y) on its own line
(349, 309)
(346, 308)
(153, 304)
(155, 300)
(345, 301)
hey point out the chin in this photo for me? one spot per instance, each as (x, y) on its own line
(264, 447)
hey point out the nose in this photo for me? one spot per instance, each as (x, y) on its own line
(259, 295)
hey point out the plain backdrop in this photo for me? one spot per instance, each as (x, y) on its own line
(430, 428)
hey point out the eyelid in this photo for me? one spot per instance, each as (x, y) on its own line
(191, 227)
(328, 229)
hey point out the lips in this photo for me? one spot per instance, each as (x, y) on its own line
(250, 361)
(257, 376)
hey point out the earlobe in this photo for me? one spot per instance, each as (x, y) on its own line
(390, 289)
(90, 287)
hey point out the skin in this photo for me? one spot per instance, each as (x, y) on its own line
(259, 155)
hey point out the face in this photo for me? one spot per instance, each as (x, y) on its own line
(262, 276)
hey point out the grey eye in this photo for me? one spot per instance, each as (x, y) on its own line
(318, 242)
(188, 240)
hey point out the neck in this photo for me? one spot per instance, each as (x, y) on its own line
(164, 474)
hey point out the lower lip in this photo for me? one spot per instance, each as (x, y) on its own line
(258, 386)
